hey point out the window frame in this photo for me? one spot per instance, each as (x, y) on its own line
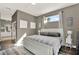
(54, 20)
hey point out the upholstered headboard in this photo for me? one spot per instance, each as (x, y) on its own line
(59, 30)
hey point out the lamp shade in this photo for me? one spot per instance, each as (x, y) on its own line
(69, 39)
(69, 32)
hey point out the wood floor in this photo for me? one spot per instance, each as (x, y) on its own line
(6, 43)
(67, 51)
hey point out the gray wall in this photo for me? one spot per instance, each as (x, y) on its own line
(19, 15)
(72, 11)
(51, 25)
(47, 25)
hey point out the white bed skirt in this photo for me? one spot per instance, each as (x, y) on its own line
(37, 48)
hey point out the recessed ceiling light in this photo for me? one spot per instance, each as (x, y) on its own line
(33, 3)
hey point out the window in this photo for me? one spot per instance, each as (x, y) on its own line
(39, 24)
(32, 25)
(23, 24)
(53, 18)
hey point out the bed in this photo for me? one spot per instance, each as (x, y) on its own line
(44, 44)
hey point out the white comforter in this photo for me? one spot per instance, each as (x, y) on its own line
(52, 41)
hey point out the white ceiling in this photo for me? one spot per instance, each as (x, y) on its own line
(8, 9)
